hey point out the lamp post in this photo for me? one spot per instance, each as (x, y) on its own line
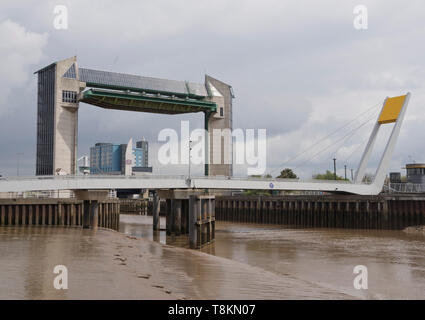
(334, 168)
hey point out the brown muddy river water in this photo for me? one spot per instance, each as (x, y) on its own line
(246, 261)
(324, 258)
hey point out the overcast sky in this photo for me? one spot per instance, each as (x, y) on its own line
(298, 68)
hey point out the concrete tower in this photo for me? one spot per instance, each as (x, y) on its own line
(219, 125)
(57, 118)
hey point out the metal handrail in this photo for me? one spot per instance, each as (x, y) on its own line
(160, 176)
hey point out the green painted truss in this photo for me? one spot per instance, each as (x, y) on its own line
(146, 102)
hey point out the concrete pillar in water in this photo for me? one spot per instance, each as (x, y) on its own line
(155, 212)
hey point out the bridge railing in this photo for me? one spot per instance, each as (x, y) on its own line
(272, 179)
(79, 177)
(174, 177)
(404, 188)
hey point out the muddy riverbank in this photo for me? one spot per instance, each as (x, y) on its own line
(104, 264)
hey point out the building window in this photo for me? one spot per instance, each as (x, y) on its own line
(221, 112)
(69, 96)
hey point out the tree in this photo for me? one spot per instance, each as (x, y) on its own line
(287, 174)
(327, 176)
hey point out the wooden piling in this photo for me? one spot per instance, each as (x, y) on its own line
(193, 235)
(169, 216)
(86, 214)
(3, 215)
(177, 216)
(155, 212)
(355, 212)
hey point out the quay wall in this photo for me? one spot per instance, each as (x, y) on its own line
(391, 212)
(56, 212)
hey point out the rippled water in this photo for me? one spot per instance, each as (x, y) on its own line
(245, 262)
(319, 258)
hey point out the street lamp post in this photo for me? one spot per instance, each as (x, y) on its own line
(334, 168)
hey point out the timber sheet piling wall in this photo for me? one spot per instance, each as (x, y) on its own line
(391, 212)
(194, 217)
(141, 207)
(56, 212)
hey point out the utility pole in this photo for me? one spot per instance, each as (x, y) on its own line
(345, 171)
(334, 168)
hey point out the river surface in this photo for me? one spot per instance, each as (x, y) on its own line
(324, 258)
(246, 261)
